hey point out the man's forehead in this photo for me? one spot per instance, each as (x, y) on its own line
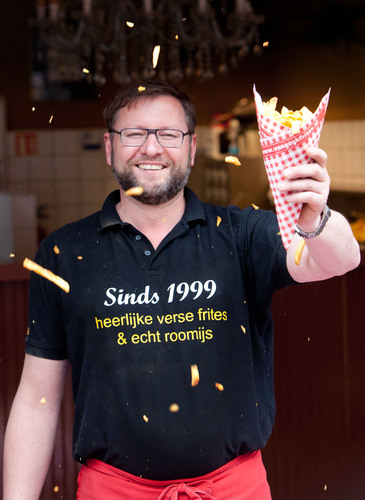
(151, 100)
(154, 103)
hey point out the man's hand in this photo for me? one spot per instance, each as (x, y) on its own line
(308, 184)
(334, 251)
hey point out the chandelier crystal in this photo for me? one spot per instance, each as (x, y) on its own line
(134, 39)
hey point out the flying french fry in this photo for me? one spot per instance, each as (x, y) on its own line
(45, 273)
(299, 251)
(155, 55)
(194, 375)
(134, 191)
(232, 159)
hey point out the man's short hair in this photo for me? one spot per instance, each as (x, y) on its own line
(148, 89)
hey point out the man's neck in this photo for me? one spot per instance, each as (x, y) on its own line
(154, 221)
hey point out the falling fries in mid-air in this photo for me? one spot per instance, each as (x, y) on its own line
(194, 375)
(155, 55)
(232, 159)
(45, 273)
(299, 251)
(134, 191)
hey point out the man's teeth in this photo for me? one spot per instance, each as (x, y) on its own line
(150, 167)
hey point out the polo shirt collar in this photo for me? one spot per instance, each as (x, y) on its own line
(194, 210)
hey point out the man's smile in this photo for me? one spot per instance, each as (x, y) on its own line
(148, 166)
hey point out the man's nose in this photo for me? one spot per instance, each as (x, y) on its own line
(152, 146)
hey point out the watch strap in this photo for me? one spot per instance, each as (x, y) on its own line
(326, 214)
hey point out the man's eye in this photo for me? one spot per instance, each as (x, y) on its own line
(168, 134)
(134, 135)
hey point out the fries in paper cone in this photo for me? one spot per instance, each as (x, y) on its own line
(284, 138)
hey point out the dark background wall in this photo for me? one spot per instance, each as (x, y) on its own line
(312, 46)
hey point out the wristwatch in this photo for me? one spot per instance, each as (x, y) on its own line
(326, 214)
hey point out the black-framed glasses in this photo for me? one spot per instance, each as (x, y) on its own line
(166, 137)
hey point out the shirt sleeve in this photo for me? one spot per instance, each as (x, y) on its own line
(45, 335)
(264, 255)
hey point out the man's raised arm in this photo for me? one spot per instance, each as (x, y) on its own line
(333, 250)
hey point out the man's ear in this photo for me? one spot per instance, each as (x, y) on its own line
(108, 147)
(193, 149)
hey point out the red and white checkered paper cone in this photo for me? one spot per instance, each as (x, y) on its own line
(281, 149)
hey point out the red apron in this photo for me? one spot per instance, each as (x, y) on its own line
(244, 478)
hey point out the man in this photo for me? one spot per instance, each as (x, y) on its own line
(160, 290)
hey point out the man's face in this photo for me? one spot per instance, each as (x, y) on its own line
(162, 172)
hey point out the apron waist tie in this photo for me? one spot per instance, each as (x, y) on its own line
(195, 490)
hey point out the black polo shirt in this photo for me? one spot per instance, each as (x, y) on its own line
(136, 319)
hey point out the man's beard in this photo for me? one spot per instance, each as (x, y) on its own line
(158, 194)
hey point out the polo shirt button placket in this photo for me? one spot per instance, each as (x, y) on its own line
(138, 237)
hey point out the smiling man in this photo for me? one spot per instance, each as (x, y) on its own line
(162, 289)
(159, 159)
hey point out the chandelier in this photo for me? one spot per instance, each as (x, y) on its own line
(133, 39)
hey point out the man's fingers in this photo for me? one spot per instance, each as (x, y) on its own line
(308, 171)
(318, 156)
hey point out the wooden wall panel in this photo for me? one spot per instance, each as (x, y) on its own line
(13, 299)
(13, 321)
(316, 449)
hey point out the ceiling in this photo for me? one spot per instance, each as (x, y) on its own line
(319, 22)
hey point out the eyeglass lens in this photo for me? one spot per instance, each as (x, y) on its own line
(165, 137)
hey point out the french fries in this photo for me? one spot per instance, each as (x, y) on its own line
(299, 251)
(292, 119)
(232, 159)
(155, 55)
(174, 408)
(45, 273)
(134, 191)
(194, 375)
